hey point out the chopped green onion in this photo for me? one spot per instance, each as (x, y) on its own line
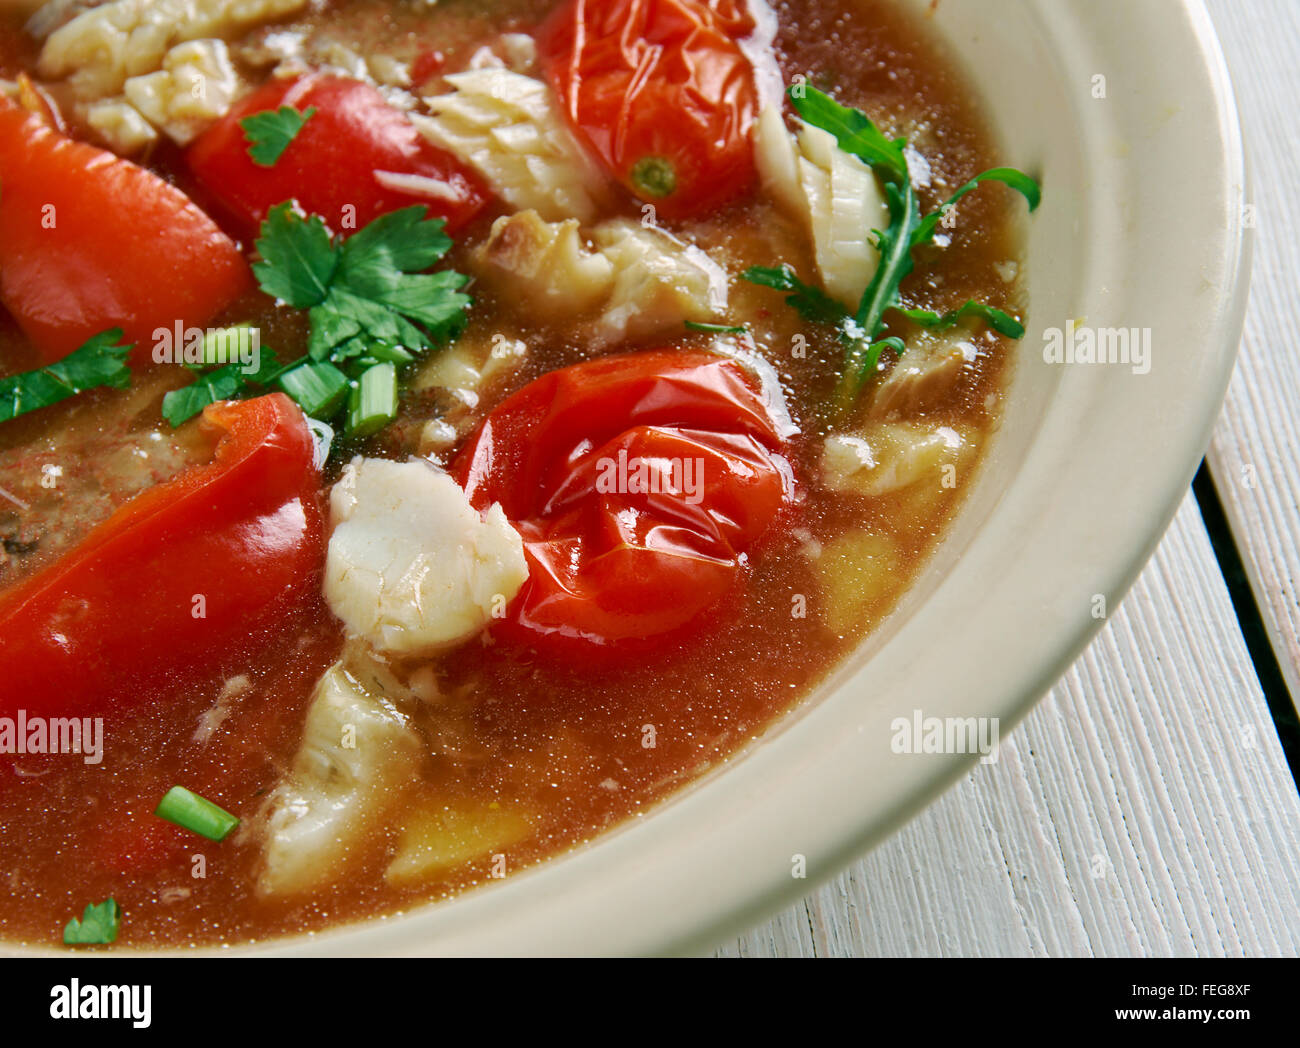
(373, 403)
(224, 345)
(193, 813)
(99, 924)
(389, 353)
(319, 389)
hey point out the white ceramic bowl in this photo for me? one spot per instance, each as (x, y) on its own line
(1141, 226)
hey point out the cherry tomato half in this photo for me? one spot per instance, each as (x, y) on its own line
(638, 483)
(662, 92)
(348, 163)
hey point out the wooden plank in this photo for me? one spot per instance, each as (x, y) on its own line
(1143, 808)
(1255, 457)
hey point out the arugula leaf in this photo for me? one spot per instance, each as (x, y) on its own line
(100, 361)
(298, 257)
(270, 133)
(853, 130)
(860, 332)
(1017, 180)
(812, 302)
(716, 329)
(875, 350)
(1002, 323)
(99, 924)
(895, 246)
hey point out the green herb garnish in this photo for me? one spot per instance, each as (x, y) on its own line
(192, 812)
(994, 318)
(811, 301)
(270, 133)
(715, 329)
(224, 383)
(908, 229)
(98, 925)
(98, 362)
(371, 306)
(319, 389)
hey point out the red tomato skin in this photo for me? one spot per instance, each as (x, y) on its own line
(659, 78)
(89, 242)
(330, 165)
(109, 623)
(612, 567)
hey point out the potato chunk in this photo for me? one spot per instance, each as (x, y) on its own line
(858, 573)
(450, 835)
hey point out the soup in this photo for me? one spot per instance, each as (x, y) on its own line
(521, 417)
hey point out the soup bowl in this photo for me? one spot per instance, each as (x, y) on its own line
(1139, 255)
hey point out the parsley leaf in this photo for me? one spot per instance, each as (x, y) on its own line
(223, 383)
(100, 361)
(98, 925)
(402, 240)
(372, 305)
(368, 287)
(379, 294)
(860, 331)
(299, 258)
(270, 133)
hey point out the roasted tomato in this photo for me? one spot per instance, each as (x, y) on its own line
(355, 159)
(179, 580)
(638, 483)
(89, 242)
(662, 92)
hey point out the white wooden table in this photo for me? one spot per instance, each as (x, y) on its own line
(1145, 807)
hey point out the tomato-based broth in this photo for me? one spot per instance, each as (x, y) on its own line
(382, 748)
